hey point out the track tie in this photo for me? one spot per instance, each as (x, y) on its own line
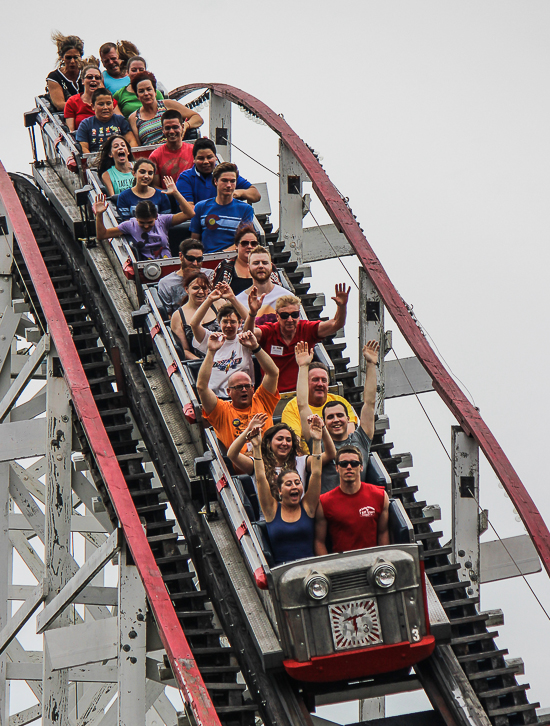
(151, 508)
(172, 559)
(509, 710)
(176, 576)
(467, 639)
(497, 692)
(505, 671)
(170, 537)
(443, 568)
(483, 655)
(478, 618)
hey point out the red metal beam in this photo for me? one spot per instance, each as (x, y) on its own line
(467, 416)
(173, 638)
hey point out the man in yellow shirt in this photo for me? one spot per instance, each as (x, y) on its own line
(318, 380)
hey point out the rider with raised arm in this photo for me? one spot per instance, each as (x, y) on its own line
(337, 421)
(290, 521)
(279, 338)
(230, 418)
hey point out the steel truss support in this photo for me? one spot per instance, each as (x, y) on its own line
(94, 664)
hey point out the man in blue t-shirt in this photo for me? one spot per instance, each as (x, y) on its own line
(196, 185)
(94, 131)
(216, 220)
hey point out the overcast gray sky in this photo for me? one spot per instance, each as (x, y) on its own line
(433, 118)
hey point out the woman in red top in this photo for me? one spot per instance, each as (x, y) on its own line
(79, 107)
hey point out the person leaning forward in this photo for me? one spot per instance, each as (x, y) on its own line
(230, 418)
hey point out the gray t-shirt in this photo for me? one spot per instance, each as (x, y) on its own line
(330, 478)
(171, 290)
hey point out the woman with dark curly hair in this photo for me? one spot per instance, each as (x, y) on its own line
(146, 121)
(281, 451)
(64, 81)
(114, 164)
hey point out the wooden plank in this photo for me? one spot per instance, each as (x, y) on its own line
(27, 716)
(405, 377)
(177, 648)
(90, 643)
(497, 562)
(91, 595)
(23, 614)
(31, 364)
(90, 673)
(30, 409)
(78, 581)
(466, 414)
(22, 439)
(79, 523)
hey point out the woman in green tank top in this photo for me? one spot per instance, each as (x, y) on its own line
(115, 165)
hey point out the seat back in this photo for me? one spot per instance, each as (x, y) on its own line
(260, 529)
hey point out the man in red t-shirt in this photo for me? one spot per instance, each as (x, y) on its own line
(355, 513)
(279, 338)
(174, 156)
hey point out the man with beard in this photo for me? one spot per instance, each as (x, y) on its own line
(264, 291)
(230, 418)
(279, 338)
(175, 156)
(170, 288)
(336, 418)
(196, 184)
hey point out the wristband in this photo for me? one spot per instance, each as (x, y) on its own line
(255, 459)
(256, 350)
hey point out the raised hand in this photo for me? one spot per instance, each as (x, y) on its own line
(370, 351)
(225, 289)
(100, 204)
(215, 341)
(258, 420)
(255, 437)
(341, 295)
(254, 300)
(316, 425)
(302, 353)
(215, 294)
(170, 185)
(248, 340)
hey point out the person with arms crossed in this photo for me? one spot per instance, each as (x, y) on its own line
(196, 183)
(279, 338)
(355, 514)
(230, 418)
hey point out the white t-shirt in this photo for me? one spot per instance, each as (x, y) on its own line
(266, 313)
(229, 359)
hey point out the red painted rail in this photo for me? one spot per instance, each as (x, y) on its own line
(175, 643)
(467, 416)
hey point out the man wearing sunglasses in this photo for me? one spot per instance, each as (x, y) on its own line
(355, 514)
(230, 418)
(170, 288)
(280, 338)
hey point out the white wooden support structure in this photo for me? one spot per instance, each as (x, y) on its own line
(291, 178)
(371, 327)
(220, 125)
(465, 508)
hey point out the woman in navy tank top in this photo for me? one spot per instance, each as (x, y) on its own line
(290, 521)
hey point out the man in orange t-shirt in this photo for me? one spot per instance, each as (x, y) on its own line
(230, 418)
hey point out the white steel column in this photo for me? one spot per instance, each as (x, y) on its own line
(291, 178)
(6, 551)
(371, 327)
(465, 490)
(57, 556)
(132, 623)
(220, 125)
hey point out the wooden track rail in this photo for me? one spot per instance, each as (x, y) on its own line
(465, 413)
(175, 643)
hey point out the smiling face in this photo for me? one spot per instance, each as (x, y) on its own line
(111, 62)
(205, 161)
(144, 174)
(291, 489)
(240, 389)
(288, 326)
(145, 92)
(103, 107)
(260, 267)
(318, 387)
(281, 444)
(119, 151)
(230, 325)
(336, 420)
(197, 291)
(172, 130)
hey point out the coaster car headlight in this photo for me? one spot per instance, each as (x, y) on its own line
(317, 587)
(384, 575)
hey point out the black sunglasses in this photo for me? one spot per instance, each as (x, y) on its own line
(242, 387)
(247, 243)
(190, 258)
(345, 464)
(285, 316)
